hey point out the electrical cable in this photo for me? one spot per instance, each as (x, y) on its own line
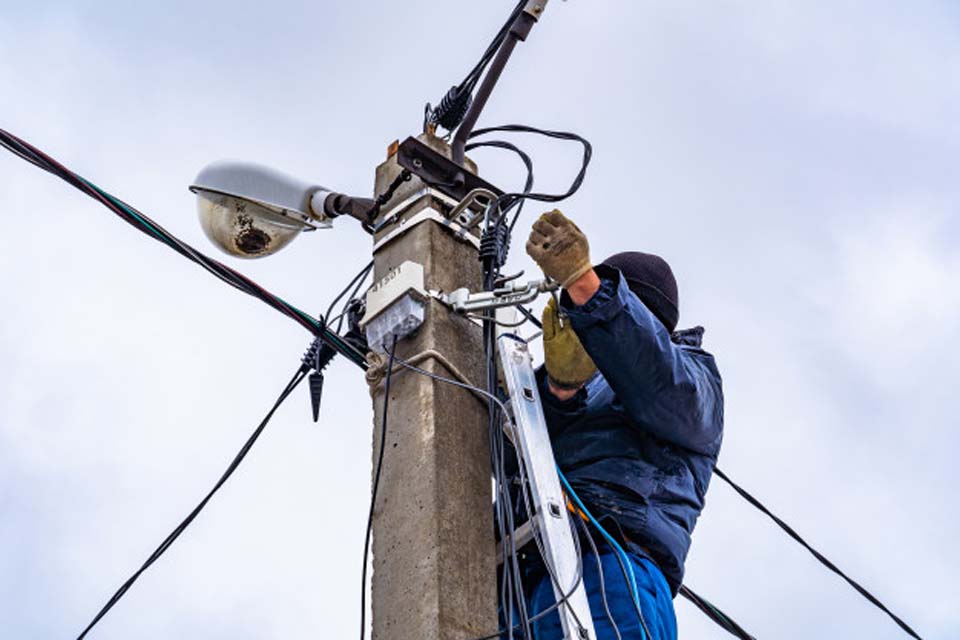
(144, 224)
(352, 297)
(473, 76)
(537, 537)
(503, 205)
(512, 583)
(603, 586)
(373, 493)
(508, 200)
(551, 571)
(357, 280)
(493, 251)
(452, 108)
(816, 554)
(723, 620)
(494, 400)
(499, 323)
(456, 383)
(524, 157)
(502, 407)
(529, 316)
(618, 550)
(180, 528)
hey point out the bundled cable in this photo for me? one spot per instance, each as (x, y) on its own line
(722, 619)
(141, 222)
(508, 200)
(497, 230)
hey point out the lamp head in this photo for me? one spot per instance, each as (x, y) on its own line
(251, 211)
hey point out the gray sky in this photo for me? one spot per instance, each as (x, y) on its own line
(795, 162)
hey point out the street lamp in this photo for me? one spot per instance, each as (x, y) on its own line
(251, 211)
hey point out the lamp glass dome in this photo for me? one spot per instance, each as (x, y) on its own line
(243, 228)
(250, 211)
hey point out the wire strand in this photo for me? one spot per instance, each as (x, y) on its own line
(603, 586)
(373, 493)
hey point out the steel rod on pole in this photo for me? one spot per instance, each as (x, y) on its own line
(519, 31)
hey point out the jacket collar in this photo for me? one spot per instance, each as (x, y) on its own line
(688, 337)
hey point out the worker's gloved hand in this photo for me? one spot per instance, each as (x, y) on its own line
(559, 247)
(567, 362)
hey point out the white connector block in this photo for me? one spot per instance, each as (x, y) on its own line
(397, 321)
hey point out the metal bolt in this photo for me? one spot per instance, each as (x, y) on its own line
(418, 163)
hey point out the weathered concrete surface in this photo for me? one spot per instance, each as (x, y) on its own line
(433, 549)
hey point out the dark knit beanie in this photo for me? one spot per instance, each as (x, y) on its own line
(651, 279)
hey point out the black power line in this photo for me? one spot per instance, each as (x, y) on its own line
(180, 528)
(816, 554)
(723, 620)
(376, 486)
(143, 223)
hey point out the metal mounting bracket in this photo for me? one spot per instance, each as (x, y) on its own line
(438, 171)
(461, 233)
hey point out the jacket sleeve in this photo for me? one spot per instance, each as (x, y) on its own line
(559, 414)
(672, 391)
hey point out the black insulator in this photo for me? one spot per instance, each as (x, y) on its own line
(317, 357)
(452, 108)
(316, 393)
(494, 245)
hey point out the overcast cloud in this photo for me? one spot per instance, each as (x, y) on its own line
(794, 161)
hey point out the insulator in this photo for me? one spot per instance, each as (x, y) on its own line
(316, 393)
(318, 355)
(495, 244)
(452, 108)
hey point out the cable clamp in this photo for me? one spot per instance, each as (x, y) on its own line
(463, 301)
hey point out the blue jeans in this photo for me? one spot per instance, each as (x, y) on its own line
(656, 601)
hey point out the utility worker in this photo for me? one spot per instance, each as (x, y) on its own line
(635, 414)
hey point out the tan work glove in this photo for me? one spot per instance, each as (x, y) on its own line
(559, 247)
(567, 362)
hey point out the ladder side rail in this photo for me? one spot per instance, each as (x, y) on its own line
(532, 441)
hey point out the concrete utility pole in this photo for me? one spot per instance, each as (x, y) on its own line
(434, 567)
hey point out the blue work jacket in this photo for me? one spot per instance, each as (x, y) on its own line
(638, 443)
